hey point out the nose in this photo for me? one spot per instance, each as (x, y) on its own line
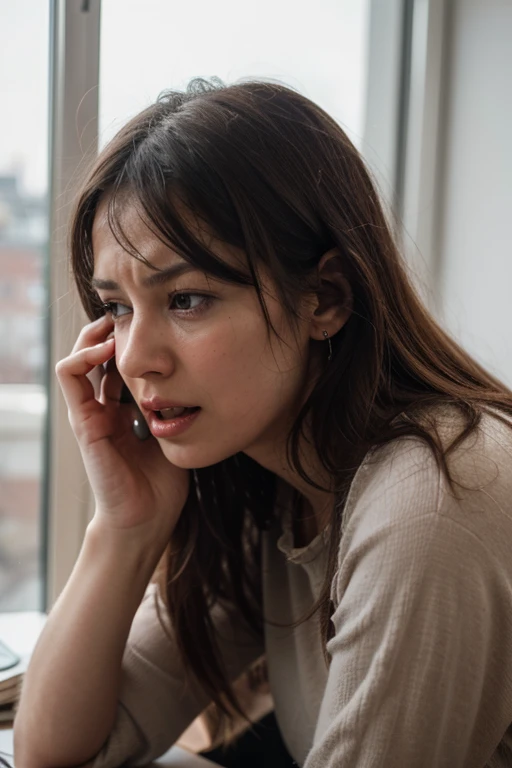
(143, 348)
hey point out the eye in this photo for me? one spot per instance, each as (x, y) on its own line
(185, 301)
(116, 309)
(190, 303)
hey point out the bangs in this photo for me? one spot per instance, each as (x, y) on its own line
(196, 183)
(161, 205)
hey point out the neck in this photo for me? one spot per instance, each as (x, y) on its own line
(271, 453)
(316, 505)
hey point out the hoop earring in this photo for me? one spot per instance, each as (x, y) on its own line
(326, 336)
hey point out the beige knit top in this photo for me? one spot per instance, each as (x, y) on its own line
(421, 657)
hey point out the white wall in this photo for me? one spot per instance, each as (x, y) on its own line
(476, 224)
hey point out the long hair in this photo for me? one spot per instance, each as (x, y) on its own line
(276, 176)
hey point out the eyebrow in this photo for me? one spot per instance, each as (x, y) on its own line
(158, 278)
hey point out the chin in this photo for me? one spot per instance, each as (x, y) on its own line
(192, 457)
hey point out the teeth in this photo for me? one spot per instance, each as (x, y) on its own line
(169, 413)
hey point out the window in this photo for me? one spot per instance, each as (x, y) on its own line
(24, 51)
(322, 52)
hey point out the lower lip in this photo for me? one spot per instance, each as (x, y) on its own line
(172, 427)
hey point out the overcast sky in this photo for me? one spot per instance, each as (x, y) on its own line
(149, 46)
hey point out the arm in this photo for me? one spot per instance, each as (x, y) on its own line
(158, 699)
(69, 696)
(102, 691)
(417, 672)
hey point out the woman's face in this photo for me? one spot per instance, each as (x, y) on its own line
(196, 341)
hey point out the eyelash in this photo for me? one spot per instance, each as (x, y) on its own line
(108, 306)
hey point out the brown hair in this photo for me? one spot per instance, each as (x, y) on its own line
(274, 175)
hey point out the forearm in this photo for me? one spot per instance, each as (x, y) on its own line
(70, 692)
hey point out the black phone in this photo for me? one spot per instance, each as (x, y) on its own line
(126, 395)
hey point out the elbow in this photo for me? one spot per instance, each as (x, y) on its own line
(27, 754)
(22, 757)
(24, 754)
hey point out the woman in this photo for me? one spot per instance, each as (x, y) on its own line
(320, 473)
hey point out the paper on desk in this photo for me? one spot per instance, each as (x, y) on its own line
(21, 630)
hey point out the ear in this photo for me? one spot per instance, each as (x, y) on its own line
(333, 298)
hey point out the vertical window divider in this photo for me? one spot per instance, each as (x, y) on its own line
(404, 131)
(386, 83)
(74, 78)
(422, 150)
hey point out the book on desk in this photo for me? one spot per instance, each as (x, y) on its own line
(19, 632)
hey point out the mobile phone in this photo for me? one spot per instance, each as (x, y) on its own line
(8, 658)
(126, 395)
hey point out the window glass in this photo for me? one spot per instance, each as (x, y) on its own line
(24, 66)
(321, 51)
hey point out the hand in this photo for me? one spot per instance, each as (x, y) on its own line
(134, 485)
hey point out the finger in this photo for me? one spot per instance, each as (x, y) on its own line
(94, 333)
(72, 372)
(96, 377)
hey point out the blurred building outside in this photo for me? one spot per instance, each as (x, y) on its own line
(23, 309)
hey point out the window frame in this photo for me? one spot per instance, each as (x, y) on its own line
(405, 118)
(74, 71)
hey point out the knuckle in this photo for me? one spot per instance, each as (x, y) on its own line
(60, 367)
(85, 333)
(63, 366)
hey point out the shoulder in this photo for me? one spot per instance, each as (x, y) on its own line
(405, 471)
(400, 500)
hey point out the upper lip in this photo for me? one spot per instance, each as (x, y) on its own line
(158, 404)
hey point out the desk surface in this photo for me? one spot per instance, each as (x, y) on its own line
(174, 758)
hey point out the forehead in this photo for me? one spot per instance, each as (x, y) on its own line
(110, 254)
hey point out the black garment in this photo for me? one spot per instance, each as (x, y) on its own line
(259, 747)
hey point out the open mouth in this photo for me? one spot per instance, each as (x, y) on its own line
(170, 414)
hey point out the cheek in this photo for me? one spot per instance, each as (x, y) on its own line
(242, 372)
(226, 355)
